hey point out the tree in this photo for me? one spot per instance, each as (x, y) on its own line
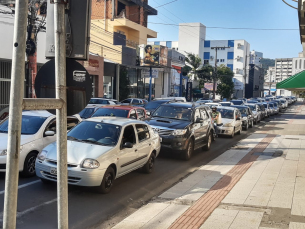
(124, 82)
(226, 86)
(193, 61)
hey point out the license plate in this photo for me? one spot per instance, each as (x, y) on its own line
(53, 171)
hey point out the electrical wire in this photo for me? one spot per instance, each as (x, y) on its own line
(289, 5)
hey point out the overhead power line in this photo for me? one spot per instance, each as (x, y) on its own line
(289, 4)
(222, 27)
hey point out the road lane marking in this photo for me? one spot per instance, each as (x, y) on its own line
(23, 185)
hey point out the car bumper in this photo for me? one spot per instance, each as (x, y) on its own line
(76, 175)
(174, 143)
(225, 130)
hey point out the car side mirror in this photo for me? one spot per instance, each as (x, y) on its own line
(148, 113)
(49, 133)
(128, 145)
(199, 120)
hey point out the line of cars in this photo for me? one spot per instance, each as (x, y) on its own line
(114, 140)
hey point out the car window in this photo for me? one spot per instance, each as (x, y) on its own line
(141, 113)
(96, 133)
(197, 114)
(71, 123)
(29, 124)
(133, 114)
(126, 101)
(86, 113)
(51, 126)
(204, 114)
(243, 111)
(105, 102)
(136, 101)
(143, 132)
(129, 135)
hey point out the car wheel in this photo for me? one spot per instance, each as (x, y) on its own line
(239, 132)
(45, 181)
(187, 154)
(29, 165)
(247, 126)
(252, 123)
(209, 143)
(150, 164)
(255, 122)
(233, 133)
(107, 181)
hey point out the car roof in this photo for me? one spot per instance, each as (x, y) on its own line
(40, 113)
(105, 99)
(226, 108)
(120, 107)
(217, 104)
(183, 104)
(116, 120)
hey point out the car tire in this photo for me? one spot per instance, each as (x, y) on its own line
(150, 164)
(252, 123)
(207, 147)
(29, 165)
(255, 122)
(239, 132)
(107, 181)
(187, 154)
(233, 133)
(46, 181)
(247, 126)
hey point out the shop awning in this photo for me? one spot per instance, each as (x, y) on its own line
(293, 83)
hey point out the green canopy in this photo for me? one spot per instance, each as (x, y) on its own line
(293, 83)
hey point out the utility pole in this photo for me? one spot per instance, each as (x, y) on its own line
(215, 71)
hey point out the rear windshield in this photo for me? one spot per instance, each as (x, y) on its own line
(237, 102)
(111, 113)
(98, 101)
(86, 113)
(226, 113)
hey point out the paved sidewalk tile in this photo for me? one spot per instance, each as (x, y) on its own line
(247, 219)
(294, 225)
(220, 219)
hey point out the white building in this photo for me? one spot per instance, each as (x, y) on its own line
(255, 58)
(283, 68)
(234, 54)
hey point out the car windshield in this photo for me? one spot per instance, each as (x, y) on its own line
(265, 105)
(243, 111)
(270, 104)
(86, 113)
(30, 124)
(154, 105)
(95, 133)
(173, 112)
(237, 102)
(226, 113)
(111, 113)
(252, 107)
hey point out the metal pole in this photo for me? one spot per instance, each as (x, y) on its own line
(61, 114)
(15, 115)
(150, 86)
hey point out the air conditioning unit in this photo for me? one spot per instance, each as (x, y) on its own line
(212, 57)
(237, 69)
(239, 45)
(238, 58)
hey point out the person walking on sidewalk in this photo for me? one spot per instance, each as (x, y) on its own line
(216, 118)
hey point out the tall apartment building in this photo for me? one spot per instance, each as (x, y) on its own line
(234, 54)
(255, 58)
(283, 69)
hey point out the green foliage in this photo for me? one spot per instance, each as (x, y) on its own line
(226, 86)
(124, 82)
(266, 63)
(206, 74)
(186, 70)
(193, 61)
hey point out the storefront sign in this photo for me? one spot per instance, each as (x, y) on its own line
(79, 76)
(146, 73)
(189, 88)
(153, 55)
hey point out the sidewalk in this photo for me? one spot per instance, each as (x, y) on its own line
(260, 183)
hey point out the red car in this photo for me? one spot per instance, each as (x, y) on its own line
(121, 111)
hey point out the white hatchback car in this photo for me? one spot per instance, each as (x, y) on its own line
(101, 149)
(231, 119)
(37, 131)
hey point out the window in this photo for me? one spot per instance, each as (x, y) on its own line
(141, 113)
(204, 115)
(129, 135)
(143, 132)
(217, 60)
(169, 44)
(197, 114)
(136, 101)
(230, 66)
(157, 42)
(230, 55)
(222, 60)
(126, 101)
(105, 102)
(300, 66)
(207, 44)
(133, 114)
(206, 62)
(230, 43)
(206, 55)
(296, 63)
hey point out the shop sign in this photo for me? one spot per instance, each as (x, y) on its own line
(79, 76)
(189, 88)
(146, 73)
(153, 55)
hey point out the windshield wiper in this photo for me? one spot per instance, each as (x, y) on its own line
(73, 138)
(93, 142)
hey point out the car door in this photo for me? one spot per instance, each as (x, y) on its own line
(144, 143)
(206, 122)
(198, 128)
(237, 120)
(51, 126)
(127, 157)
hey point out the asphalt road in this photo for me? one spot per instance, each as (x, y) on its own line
(37, 203)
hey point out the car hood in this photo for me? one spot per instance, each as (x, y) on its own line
(168, 123)
(78, 151)
(24, 139)
(226, 120)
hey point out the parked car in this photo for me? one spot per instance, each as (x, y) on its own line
(246, 115)
(182, 99)
(183, 127)
(237, 102)
(102, 101)
(281, 104)
(268, 110)
(255, 109)
(231, 119)
(4, 113)
(101, 150)
(226, 104)
(87, 112)
(37, 131)
(121, 111)
(274, 108)
(264, 111)
(135, 101)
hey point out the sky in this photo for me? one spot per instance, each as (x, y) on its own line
(262, 14)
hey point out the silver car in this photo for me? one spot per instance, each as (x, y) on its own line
(102, 149)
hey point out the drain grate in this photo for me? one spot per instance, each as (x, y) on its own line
(269, 154)
(240, 148)
(293, 138)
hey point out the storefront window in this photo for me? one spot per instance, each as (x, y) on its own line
(108, 87)
(133, 79)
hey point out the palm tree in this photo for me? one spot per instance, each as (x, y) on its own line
(194, 61)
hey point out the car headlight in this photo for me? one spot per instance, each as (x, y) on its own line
(42, 155)
(244, 118)
(228, 125)
(90, 164)
(4, 152)
(179, 132)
